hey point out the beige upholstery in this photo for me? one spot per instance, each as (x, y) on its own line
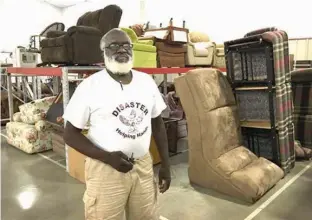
(217, 158)
(28, 131)
(219, 56)
(199, 50)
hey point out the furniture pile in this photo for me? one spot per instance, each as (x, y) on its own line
(177, 47)
(258, 70)
(80, 43)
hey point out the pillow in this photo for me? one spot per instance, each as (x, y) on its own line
(196, 37)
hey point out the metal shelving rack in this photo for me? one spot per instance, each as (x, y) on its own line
(63, 74)
(239, 59)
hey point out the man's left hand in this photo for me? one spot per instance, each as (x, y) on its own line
(164, 179)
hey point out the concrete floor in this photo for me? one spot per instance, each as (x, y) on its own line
(34, 188)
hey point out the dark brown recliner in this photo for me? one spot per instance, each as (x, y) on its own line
(54, 27)
(81, 44)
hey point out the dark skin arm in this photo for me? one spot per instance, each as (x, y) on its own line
(75, 139)
(160, 136)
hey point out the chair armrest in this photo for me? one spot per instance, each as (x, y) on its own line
(219, 52)
(202, 44)
(147, 38)
(84, 30)
(169, 120)
(53, 34)
(17, 117)
(146, 42)
(41, 125)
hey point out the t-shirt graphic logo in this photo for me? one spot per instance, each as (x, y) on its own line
(131, 115)
(132, 121)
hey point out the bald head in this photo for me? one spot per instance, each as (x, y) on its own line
(115, 35)
(117, 49)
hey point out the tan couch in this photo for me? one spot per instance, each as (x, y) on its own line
(28, 131)
(219, 56)
(199, 50)
(217, 159)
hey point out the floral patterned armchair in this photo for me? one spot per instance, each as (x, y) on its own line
(28, 131)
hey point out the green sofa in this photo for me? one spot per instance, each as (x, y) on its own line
(144, 52)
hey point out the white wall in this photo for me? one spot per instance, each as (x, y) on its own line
(22, 18)
(222, 20)
(131, 11)
(227, 19)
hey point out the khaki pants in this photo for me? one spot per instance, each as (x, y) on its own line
(111, 194)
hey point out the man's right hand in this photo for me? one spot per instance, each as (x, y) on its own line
(119, 161)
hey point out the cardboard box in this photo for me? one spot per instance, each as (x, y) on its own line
(154, 152)
(76, 164)
(76, 161)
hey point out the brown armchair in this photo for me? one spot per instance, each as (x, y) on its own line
(80, 44)
(54, 27)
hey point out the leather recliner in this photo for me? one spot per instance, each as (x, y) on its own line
(80, 44)
(217, 159)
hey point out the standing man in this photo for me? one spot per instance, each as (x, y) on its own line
(124, 109)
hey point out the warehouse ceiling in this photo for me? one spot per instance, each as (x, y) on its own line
(66, 3)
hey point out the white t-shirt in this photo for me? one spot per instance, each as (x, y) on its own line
(120, 115)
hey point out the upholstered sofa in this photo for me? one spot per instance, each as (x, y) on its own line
(144, 51)
(80, 44)
(28, 131)
(217, 158)
(199, 50)
(219, 56)
(302, 99)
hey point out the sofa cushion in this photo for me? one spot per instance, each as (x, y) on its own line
(201, 49)
(103, 19)
(235, 159)
(225, 121)
(54, 42)
(257, 177)
(196, 36)
(36, 106)
(17, 117)
(215, 93)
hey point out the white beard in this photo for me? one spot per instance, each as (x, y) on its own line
(116, 67)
